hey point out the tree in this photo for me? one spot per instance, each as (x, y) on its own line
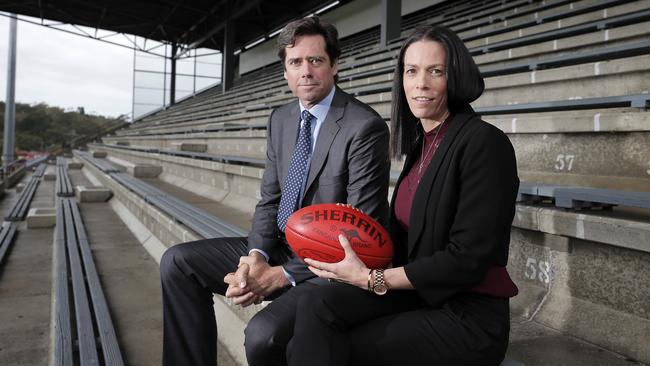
(41, 125)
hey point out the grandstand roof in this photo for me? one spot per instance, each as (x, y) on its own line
(193, 23)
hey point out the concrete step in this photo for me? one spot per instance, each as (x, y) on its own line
(602, 160)
(247, 143)
(622, 77)
(565, 22)
(533, 344)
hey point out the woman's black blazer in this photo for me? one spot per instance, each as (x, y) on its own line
(462, 210)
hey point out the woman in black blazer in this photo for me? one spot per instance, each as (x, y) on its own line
(445, 301)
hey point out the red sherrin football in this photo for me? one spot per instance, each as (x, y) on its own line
(313, 231)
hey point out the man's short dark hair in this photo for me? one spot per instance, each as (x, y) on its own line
(464, 84)
(310, 26)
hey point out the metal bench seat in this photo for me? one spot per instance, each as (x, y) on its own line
(201, 222)
(63, 184)
(641, 101)
(36, 161)
(204, 224)
(94, 341)
(581, 197)
(19, 210)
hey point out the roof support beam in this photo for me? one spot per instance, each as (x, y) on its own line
(172, 86)
(234, 15)
(391, 16)
(228, 57)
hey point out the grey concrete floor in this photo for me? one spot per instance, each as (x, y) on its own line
(25, 288)
(536, 345)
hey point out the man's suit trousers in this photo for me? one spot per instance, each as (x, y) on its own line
(190, 274)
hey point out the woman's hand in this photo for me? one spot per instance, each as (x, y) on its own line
(350, 270)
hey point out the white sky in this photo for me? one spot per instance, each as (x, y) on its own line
(67, 70)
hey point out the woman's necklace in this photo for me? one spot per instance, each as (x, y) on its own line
(424, 156)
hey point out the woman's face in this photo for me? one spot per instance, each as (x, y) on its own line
(425, 81)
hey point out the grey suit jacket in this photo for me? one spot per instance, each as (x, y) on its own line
(350, 164)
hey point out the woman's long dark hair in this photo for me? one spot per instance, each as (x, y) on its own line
(464, 85)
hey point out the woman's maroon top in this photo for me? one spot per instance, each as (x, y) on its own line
(497, 281)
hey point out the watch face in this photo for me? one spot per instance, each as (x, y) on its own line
(380, 289)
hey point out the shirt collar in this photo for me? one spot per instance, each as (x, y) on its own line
(320, 110)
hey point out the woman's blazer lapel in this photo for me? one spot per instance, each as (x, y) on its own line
(421, 200)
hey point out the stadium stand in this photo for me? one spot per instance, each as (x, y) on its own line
(568, 81)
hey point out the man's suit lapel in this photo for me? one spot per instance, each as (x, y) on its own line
(326, 135)
(292, 128)
(421, 200)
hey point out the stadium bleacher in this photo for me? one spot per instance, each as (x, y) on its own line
(568, 81)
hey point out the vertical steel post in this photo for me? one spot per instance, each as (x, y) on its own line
(10, 107)
(133, 89)
(228, 57)
(391, 17)
(194, 79)
(164, 78)
(172, 86)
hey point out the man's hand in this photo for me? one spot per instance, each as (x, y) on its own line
(237, 289)
(254, 280)
(262, 278)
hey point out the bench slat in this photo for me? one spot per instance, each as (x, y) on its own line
(62, 336)
(7, 236)
(581, 197)
(63, 184)
(574, 197)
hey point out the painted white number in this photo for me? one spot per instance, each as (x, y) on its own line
(544, 269)
(530, 265)
(564, 162)
(537, 270)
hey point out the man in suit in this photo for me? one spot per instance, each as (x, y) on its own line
(325, 147)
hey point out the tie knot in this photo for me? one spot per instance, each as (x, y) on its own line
(307, 117)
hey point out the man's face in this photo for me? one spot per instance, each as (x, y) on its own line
(308, 70)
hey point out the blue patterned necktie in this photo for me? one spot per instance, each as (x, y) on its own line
(297, 170)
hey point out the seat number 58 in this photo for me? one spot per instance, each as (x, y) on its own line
(538, 270)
